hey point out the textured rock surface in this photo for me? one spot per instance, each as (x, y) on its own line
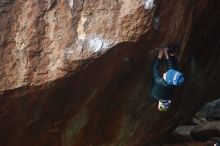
(181, 134)
(210, 111)
(77, 73)
(206, 131)
(189, 133)
(44, 40)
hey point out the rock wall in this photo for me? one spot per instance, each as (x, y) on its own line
(77, 73)
(42, 41)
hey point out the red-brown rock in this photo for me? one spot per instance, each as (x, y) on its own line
(77, 73)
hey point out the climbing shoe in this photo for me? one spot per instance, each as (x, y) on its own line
(163, 105)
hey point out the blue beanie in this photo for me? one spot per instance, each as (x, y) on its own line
(174, 77)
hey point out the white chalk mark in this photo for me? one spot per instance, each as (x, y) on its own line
(96, 44)
(149, 4)
(70, 3)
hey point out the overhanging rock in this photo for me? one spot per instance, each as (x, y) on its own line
(77, 73)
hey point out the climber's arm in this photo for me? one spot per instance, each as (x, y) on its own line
(156, 64)
(169, 59)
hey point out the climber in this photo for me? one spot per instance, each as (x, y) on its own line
(162, 89)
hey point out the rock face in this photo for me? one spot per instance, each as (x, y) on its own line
(208, 130)
(77, 73)
(188, 133)
(205, 133)
(210, 112)
(44, 40)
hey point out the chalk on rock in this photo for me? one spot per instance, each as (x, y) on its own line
(96, 44)
(149, 4)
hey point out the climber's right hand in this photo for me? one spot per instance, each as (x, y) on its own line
(166, 53)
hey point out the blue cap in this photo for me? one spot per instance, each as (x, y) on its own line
(174, 77)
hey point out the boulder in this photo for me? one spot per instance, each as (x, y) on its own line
(78, 72)
(181, 134)
(210, 111)
(213, 140)
(205, 132)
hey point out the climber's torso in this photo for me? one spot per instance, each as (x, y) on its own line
(161, 90)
